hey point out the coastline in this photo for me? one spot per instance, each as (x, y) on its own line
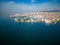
(47, 17)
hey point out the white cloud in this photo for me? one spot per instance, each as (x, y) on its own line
(14, 7)
(48, 6)
(32, 1)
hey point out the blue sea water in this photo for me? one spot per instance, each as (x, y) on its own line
(39, 33)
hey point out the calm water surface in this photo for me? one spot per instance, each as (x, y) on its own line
(14, 33)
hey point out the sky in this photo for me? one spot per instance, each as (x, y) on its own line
(28, 5)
